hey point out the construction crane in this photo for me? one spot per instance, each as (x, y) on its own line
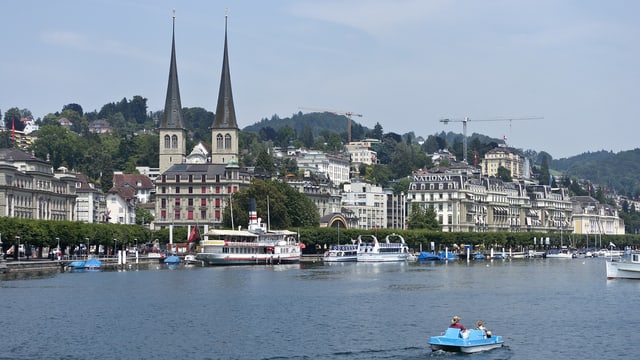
(347, 114)
(464, 129)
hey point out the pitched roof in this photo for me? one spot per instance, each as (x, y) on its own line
(172, 116)
(136, 181)
(225, 111)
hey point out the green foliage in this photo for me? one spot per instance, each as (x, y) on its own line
(143, 216)
(287, 208)
(504, 174)
(617, 171)
(41, 233)
(421, 218)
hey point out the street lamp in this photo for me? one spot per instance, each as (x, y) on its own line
(87, 247)
(18, 248)
(114, 246)
(58, 251)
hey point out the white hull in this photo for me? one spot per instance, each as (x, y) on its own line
(341, 253)
(247, 259)
(386, 251)
(371, 257)
(466, 349)
(560, 256)
(624, 269)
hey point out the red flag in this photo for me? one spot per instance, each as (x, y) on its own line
(195, 234)
(13, 130)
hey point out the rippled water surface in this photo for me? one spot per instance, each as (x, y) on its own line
(553, 309)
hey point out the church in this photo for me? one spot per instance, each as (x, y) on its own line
(195, 188)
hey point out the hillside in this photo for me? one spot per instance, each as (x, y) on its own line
(617, 172)
(317, 122)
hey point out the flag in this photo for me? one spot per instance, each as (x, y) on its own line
(612, 244)
(195, 234)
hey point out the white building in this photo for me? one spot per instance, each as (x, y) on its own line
(368, 202)
(335, 167)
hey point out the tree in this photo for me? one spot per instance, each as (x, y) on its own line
(421, 218)
(282, 206)
(75, 107)
(265, 161)
(504, 174)
(377, 131)
(545, 176)
(143, 216)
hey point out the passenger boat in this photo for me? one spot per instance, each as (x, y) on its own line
(387, 251)
(468, 341)
(256, 245)
(341, 253)
(618, 268)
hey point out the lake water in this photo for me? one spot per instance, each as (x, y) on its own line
(544, 309)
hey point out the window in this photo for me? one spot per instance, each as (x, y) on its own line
(167, 141)
(177, 189)
(217, 202)
(203, 178)
(190, 178)
(190, 215)
(177, 215)
(227, 141)
(204, 190)
(164, 190)
(217, 217)
(177, 178)
(190, 189)
(190, 202)
(203, 214)
(163, 203)
(203, 202)
(217, 189)
(163, 215)
(174, 141)
(177, 201)
(219, 141)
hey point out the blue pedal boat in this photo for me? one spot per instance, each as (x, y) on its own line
(469, 341)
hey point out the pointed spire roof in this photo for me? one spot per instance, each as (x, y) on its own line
(172, 117)
(225, 112)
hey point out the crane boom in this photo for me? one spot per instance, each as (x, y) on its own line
(464, 128)
(347, 114)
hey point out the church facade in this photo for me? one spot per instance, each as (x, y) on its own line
(194, 189)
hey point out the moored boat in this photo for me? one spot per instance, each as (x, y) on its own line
(563, 253)
(341, 253)
(75, 266)
(387, 251)
(256, 245)
(618, 268)
(428, 256)
(93, 264)
(468, 341)
(190, 259)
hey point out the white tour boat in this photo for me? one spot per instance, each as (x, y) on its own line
(617, 268)
(256, 245)
(387, 251)
(341, 253)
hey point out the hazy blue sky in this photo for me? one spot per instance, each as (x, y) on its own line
(405, 64)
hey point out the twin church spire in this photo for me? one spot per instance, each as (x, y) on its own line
(224, 130)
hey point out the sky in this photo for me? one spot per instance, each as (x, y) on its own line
(573, 65)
